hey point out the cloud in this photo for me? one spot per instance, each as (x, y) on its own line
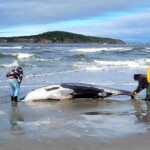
(129, 28)
(109, 18)
(26, 12)
(134, 27)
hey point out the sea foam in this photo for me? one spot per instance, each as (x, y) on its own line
(103, 49)
(11, 47)
(24, 55)
(13, 64)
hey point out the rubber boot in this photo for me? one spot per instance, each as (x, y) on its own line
(146, 98)
(15, 99)
(12, 98)
(132, 97)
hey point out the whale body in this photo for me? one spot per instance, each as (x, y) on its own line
(65, 91)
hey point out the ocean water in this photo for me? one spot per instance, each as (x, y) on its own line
(101, 64)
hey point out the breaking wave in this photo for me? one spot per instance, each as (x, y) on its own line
(89, 50)
(11, 47)
(100, 65)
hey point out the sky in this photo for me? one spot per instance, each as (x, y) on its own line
(128, 20)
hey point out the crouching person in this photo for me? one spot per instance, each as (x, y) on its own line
(148, 80)
(142, 84)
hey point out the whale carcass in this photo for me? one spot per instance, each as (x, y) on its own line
(65, 91)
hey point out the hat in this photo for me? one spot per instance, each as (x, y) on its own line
(19, 69)
(136, 76)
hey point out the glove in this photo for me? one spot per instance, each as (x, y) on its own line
(134, 93)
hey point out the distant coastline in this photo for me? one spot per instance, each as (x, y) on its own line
(60, 37)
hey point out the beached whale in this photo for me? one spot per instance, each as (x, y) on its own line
(65, 91)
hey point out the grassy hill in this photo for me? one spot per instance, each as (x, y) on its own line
(60, 37)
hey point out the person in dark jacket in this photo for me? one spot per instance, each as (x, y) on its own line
(148, 80)
(15, 78)
(142, 83)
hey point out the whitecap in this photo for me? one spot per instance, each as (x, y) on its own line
(41, 59)
(54, 73)
(2, 112)
(101, 65)
(11, 47)
(24, 55)
(138, 63)
(93, 68)
(14, 64)
(147, 49)
(20, 55)
(103, 49)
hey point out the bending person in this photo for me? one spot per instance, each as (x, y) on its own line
(142, 84)
(15, 78)
(148, 80)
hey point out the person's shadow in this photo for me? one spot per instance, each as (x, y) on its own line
(15, 117)
(148, 112)
(141, 114)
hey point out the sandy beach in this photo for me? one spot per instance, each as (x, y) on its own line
(134, 142)
(75, 125)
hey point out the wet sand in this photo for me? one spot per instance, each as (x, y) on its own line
(75, 125)
(134, 142)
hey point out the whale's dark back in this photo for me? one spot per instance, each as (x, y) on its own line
(90, 90)
(82, 90)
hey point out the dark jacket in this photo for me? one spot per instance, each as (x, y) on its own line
(142, 83)
(16, 73)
